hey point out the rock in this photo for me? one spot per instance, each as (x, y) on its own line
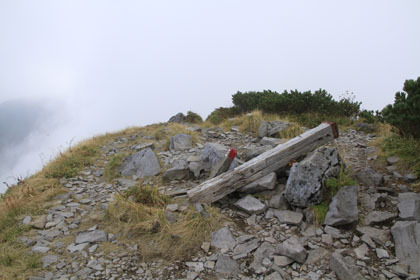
(40, 249)
(274, 276)
(282, 261)
(178, 171)
(266, 250)
(40, 222)
(171, 217)
(250, 204)
(362, 251)
(178, 118)
(141, 164)
(195, 168)
(269, 141)
(226, 265)
(305, 185)
(316, 255)
(256, 151)
(344, 267)
(343, 207)
(378, 235)
(406, 236)
(370, 178)
(263, 129)
(410, 178)
(327, 239)
(27, 220)
(94, 264)
(172, 207)
(334, 232)
(212, 154)
(392, 160)
(276, 127)
(409, 206)
(223, 239)
(48, 260)
(180, 142)
(292, 249)
(91, 236)
(288, 217)
(195, 266)
(246, 248)
(77, 248)
(381, 253)
(267, 182)
(278, 201)
(379, 217)
(205, 247)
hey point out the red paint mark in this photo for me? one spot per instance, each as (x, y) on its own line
(232, 153)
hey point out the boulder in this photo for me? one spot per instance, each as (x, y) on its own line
(250, 204)
(305, 185)
(269, 141)
(278, 201)
(380, 236)
(263, 129)
(141, 164)
(196, 168)
(178, 171)
(409, 206)
(178, 118)
(267, 182)
(379, 217)
(406, 236)
(292, 249)
(370, 178)
(223, 239)
(271, 128)
(344, 267)
(212, 154)
(180, 142)
(343, 207)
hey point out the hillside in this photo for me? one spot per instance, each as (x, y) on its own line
(114, 207)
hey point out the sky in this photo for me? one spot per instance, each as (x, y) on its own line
(104, 65)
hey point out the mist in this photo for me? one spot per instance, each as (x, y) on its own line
(74, 69)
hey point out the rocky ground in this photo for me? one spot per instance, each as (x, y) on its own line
(372, 231)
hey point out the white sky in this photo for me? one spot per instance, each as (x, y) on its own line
(120, 63)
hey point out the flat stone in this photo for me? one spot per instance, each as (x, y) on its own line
(223, 239)
(344, 267)
(172, 207)
(382, 254)
(226, 265)
(268, 182)
(48, 260)
(379, 217)
(195, 266)
(406, 235)
(94, 264)
(316, 255)
(269, 141)
(392, 160)
(178, 171)
(409, 206)
(77, 248)
(378, 235)
(40, 222)
(410, 178)
(40, 249)
(180, 142)
(282, 261)
(290, 248)
(246, 248)
(141, 164)
(266, 250)
(250, 204)
(278, 201)
(91, 236)
(343, 207)
(335, 233)
(288, 217)
(362, 251)
(273, 276)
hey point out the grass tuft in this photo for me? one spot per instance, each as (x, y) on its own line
(111, 169)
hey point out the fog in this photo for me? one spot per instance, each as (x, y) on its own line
(73, 69)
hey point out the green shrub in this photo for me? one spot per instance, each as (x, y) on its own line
(404, 114)
(193, 117)
(407, 148)
(111, 170)
(221, 114)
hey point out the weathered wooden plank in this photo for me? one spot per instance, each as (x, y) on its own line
(272, 160)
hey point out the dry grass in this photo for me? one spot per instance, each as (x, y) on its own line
(291, 132)
(140, 214)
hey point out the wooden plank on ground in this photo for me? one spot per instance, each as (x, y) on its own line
(272, 160)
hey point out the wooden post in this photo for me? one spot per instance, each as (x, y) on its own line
(216, 188)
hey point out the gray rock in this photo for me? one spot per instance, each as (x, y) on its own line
(178, 118)
(172, 207)
(370, 178)
(305, 185)
(27, 220)
(273, 276)
(409, 206)
(278, 201)
(269, 141)
(410, 178)
(48, 260)
(246, 248)
(250, 205)
(180, 142)
(195, 168)
(256, 151)
(178, 171)
(267, 182)
(343, 207)
(212, 154)
(226, 265)
(263, 129)
(292, 249)
(288, 217)
(282, 261)
(91, 236)
(379, 217)
(276, 127)
(40, 249)
(362, 251)
(141, 164)
(392, 160)
(40, 222)
(406, 235)
(316, 255)
(344, 267)
(335, 233)
(77, 248)
(378, 235)
(381, 253)
(94, 264)
(222, 239)
(266, 250)
(195, 266)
